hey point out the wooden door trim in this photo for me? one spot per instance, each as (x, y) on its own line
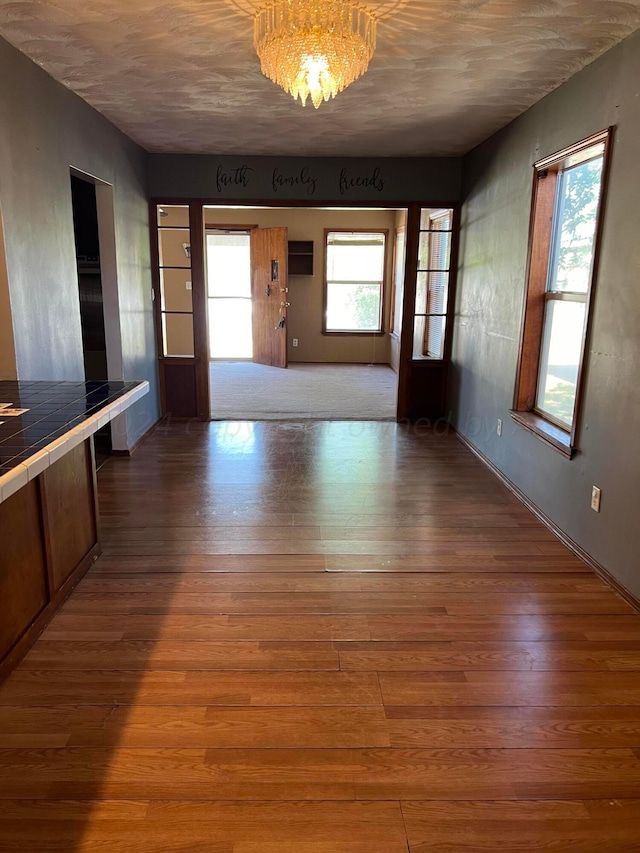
(200, 319)
(412, 238)
(400, 229)
(157, 300)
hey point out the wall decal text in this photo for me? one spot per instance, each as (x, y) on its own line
(303, 178)
(348, 182)
(233, 177)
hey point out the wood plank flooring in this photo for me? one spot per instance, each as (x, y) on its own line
(323, 638)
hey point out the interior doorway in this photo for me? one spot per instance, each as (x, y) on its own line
(88, 263)
(94, 224)
(316, 289)
(246, 273)
(87, 243)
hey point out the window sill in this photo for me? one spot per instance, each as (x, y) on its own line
(552, 435)
(355, 333)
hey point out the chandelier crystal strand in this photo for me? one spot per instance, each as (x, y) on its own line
(314, 48)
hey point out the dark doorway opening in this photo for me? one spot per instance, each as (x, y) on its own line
(87, 241)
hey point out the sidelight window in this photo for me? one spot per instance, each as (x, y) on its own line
(432, 283)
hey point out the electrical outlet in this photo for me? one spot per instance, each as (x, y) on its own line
(295, 342)
(499, 427)
(188, 285)
(595, 499)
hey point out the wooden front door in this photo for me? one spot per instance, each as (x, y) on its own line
(269, 295)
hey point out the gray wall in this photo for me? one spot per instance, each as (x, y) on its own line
(7, 344)
(44, 130)
(497, 180)
(312, 179)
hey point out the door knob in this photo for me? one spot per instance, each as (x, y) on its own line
(285, 304)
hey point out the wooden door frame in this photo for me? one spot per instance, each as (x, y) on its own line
(196, 224)
(105, 209)
(400, 229)
(200, 318)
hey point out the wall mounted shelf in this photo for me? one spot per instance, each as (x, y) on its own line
(300, 257)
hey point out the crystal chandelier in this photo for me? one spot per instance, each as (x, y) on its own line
(314, 48)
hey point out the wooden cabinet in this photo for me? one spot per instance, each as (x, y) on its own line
(48, 539)
(23, 571)
(300, 257)
(69, 512)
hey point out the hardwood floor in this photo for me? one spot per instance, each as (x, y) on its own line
(331, 638)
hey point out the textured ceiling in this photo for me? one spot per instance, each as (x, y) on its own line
(181, 75)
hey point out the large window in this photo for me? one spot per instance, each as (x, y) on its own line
(564, 230)
(355, 267)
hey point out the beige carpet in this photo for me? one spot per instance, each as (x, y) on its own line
(253, 392)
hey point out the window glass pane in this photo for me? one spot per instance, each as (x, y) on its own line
(353, 307)
(177, 334)
(355, 257)
(560, 358)
(421, 293)
(174, 247)
(423, 250)
(575, 227)
(434, 250)
(431, 292)
(230, 333)
(172, 215)
(438, 292)
(440, 251)
(419, 326)
(428, 337)
(175, 290)
(229, 265)
(434, 344)
(436, 219)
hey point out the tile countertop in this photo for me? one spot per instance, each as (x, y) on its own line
(60, 416)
